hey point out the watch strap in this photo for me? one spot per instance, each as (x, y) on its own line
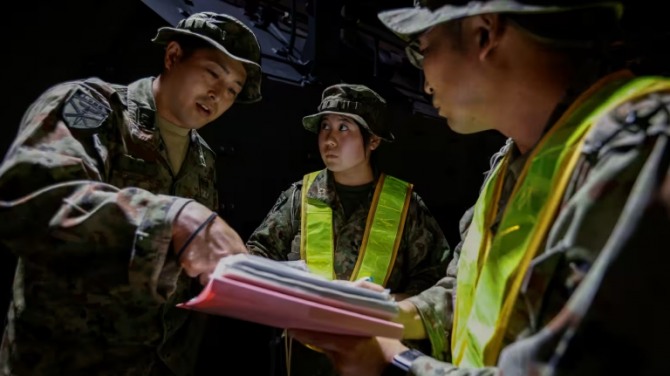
(405, 359)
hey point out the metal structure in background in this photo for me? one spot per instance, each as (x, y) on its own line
(320, 42)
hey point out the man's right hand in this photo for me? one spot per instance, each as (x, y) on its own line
(215, 241)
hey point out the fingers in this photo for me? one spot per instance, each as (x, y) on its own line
(369, 285)
(365, 282)
(204, 278)
(204, 239)
(326, 341)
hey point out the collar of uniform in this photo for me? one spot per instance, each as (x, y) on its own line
(323, 188)
(141, 104)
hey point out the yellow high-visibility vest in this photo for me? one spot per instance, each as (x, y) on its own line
(491, 268)
(383, 230)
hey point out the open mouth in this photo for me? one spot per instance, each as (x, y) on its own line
(204, 109)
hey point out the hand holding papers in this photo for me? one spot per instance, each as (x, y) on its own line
(272, 293)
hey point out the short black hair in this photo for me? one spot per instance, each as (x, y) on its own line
(584, 29)
(190, 44)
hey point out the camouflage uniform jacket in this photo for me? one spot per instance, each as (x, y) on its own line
(615, 151)
(422, 255)
(88, 199)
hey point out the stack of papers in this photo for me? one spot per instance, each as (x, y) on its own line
(272, 293)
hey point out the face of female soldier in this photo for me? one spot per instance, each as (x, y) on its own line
(343, 148)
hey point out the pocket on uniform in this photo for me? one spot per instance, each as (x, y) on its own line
(129, 171)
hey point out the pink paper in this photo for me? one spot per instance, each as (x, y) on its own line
(228, 297)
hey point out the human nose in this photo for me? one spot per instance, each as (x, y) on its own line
(330, 140)
(218, 90)
(214, 94)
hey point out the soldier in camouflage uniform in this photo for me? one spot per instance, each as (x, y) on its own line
(101, 190)
(581, 191)
(347, 138)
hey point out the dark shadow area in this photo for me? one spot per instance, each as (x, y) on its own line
(262, 148)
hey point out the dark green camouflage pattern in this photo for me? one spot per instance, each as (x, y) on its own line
(615, 151)
(91, 197)
(229, 35)
(357, 101)
(422, 255)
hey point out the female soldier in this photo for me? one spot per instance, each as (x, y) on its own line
(350, 221)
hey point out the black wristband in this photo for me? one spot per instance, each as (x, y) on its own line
(192, 236)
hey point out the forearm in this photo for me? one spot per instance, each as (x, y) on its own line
(434, 313)
(83, 220)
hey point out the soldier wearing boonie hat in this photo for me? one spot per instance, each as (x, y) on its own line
(407, 23)
(360, 222)
(122, 195)
(229, 35)
(357, 101)
(567, 211)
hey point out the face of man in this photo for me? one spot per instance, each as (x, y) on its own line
(198, 88)
(456, 76)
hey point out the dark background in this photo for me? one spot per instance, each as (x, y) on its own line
(262, 148)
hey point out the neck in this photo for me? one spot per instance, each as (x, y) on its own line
(158, 89)
(535, 81)
(354, 176)
(526, 124)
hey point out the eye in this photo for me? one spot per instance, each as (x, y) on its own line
(344, 127)
(325, 125)
(232, 92)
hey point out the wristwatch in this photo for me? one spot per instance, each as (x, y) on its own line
(404, 360)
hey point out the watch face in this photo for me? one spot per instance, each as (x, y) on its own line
(404, 359)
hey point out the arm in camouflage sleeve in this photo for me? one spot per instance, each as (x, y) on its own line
(428, 256)
(434, 306)
(51, 186)
(616, 225)
(353, 356)
(273, 238)
(427, 248)
(435, 309)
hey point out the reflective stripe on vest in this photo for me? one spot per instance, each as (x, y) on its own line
(383, 230)
(490, 271)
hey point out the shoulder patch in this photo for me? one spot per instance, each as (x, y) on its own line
(82, 111)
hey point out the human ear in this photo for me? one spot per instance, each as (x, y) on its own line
(489, 31)
(374, 142)
(173, 53)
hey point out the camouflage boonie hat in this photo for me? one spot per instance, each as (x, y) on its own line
(229, 35)
(356, 101)
(407, 23)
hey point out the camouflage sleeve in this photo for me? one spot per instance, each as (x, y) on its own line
(613, 231)
(63, 214)
(435, 304)
(273, 237)
(426, 246)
